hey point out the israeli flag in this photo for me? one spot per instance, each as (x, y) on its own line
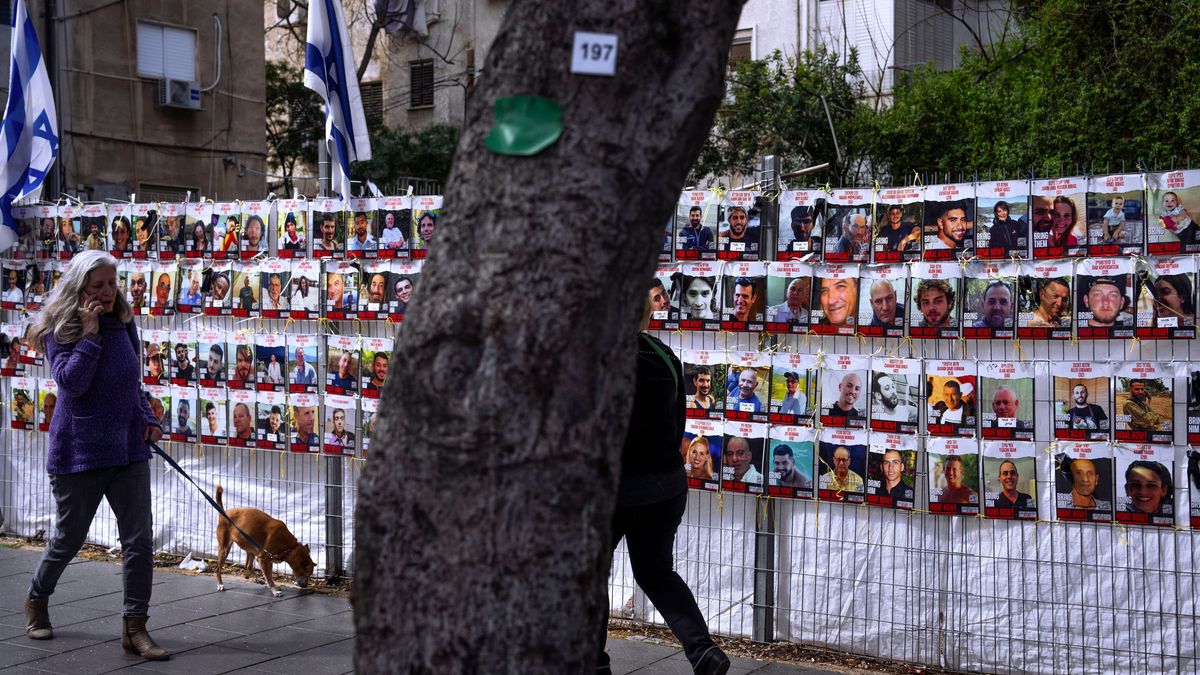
(329, 71)
(29, 134)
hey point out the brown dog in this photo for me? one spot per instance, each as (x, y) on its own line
(279, 544)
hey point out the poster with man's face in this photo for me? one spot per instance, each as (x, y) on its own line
(704, 383)
(270, 361)
(882, 300)
(304, 423)
(392, 216)
(426, 212)
(189, 297)
(740, 232)
(1193, 483)
(272, 420)
(241, 426)
(844, 381)
(747, 386)
(339, 289)
(216, 289)
(664, 298)
(274, 276)
(362, 213)
(1082, 403)
(1046, 309)
(848, 226)
(240, 369)
(1116, 215)
(794, 378)
(1166, 298)
(744, 305)
(341, 423)
(1170, 198)
(23, 403)
(1010, 480)
(377, 361)
(156, 357)
(1083, 481)
(949, 222)
(183, 358)
(899, 214)
(1104, 298)
(372, 297)
(171, 228)
(934, 310)
(138, 278)
(163, 280)
(951, 397)
(406, 276)
(226, 229)
(1145, 491)
(302, 363)
(212, 356)
(841, 465)
(253, 240)
(696, 226)
(47, 402)
(895, 394)
(835, 299)
(989, 307)
(1144, 401)
(213, 416)
(1006, 389)
(342, 361)
(1058, 217)
(742, 464)
(953, 475)
(183, 418)
(701, 452)
(1002, 220)
(329, 228)
(13, 294)
(790, 462)
(245, 292)
(892, 470)
(291, 218)
(1193, 405)
(801, 224)
(789, 297)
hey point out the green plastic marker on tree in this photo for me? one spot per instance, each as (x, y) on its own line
(525, 125)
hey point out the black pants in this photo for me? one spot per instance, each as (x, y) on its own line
(649, 532)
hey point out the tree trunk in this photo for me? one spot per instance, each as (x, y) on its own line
(482, 527)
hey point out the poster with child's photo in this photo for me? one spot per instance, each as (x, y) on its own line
(1006, 390)
(291, 217)
(403, 284)
(704, 382)
(701, 451)
(934, 310)
(341, 419)
(329, 228)
(1046, 305)
(253, 241)
(183, 358)
(790, 462)
(227, 227)
(1104, 308)
(302, 363)
(426, 211)
(1144, 401)
(789, 297)
(1058, 208)
(743, 308)
(949, 232)
(794, 388)
(953, 475)
(1002, 220)
(895, 394)
(882, 300)
(989, 306)
(198, 229)
(393, 214)
(1116, 215)
(47, 401)
(342, 359)
(1166, 298)
(304, 420)
(848, 226)
(834, 306)
(841, 465)
(801, 224)
(951, 398)
(271, 413)
(1170, 229)
(213, 415)
(742, 457)
(899, 213)
(1083, 481)
(1145, 491)
(377, 357)
(1010, 480)
(747, 386)
(739, 236)
(892, 470)
(700, 298)
(270, 358)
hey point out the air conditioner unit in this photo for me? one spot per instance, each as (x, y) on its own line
(178, 94)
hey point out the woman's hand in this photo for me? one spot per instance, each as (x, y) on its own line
(152, 434)
(90, 310)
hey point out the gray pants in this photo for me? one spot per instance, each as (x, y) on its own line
(78, 496)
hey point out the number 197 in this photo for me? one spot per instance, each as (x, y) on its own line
(595, 52)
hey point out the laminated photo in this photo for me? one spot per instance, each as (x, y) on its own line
(704, 382)
(700, 297)
(899, 214)
(120, 230)
(253, 240)
(989, 306)
(1169, 226)
(377, 357)
(217, 289)
(791, 453)
(841, 465)
(13, 294)
(145, 231)
(156, 350)
(1002, 219)
(68, 237)
(794, 378)
(842, 401)
(1145, 402)
(835, 299)
(744, 304)
(159, 398)
(303, 418)
(190, 298)
(1193, 485)
(740, 233)
(953, 475)
(1116, 215)
(329, 228)
(1145, 484)
(270, 358)
(339, 288)
(274, 277)
(1010, 480)
(291, 218)
(164, 275)
(951, 397)
(1166, 298)
(93, 227)
(10, 350)
(170, 230)
(47, 400)
(892, 470)
(696, 216)
(1046, 309)
(801, 224)
(370, 410)
(246, 289)
(241, 370)
(137, 274)
(360, 243)
(183, 358)
(393, 215)
(341, 419)
(1193, 406)
(342, 359)
(40, 278)
(22, 406)
(186, 406)
(1082, 402)
(304, 292)
(426, 211)
(198, 232)
(1058, 209)
(212, 356)
(1104, 298)
(747, 386)
(25, 225)
(271, 413)
(848, 226)
(789, 294)
(949, 222)
(668, 241)
(241, 425)
(227, 228)
(45, 240)
(213, 416)
(701, 451)
(936, 293)
(372, 297)
(895, 394)
(1083, 481)
(405, 276)
(302, 363)
(882, 300)
(742, 454)
(1006, 389)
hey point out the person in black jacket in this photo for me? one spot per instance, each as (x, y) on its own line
(651, 499)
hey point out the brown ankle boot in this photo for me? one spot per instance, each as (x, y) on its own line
(135, 640)
(37, 618)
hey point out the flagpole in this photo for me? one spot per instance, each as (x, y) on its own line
(54, 179)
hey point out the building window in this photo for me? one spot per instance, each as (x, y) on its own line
(166, 51)
(155, 192)
(420, 84)
(372, 98)
(742, 48)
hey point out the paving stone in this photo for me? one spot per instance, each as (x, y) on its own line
(15, 652)
(331, 659)
(205, 660)
(248, 621)
(80, 635)
(184, 637)
(220, 603)
(100, 658)
(338, 624)
(283, 641)
(312, 605)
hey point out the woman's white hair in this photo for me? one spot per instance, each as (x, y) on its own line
(59, 318)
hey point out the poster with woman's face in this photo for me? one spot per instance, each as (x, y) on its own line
(696, 226)
(1006, 389)
(790, 462)
(951, 397)
(989, 306)
(392, 215)
(1058, 217)
(270, 358)
(1046, 307)
(794, 388)
(242, 405)
(291, 218)
(68, 237)
(801, 224)
(892, 470)
(120, 230)
(1010, 480)
(198, 229)
(1104, 299)
(747, 386)
(339, 288)
(949, 222)
(841, 465)
(304, 290)
(835, 299)
(1083, 481)
(1116, 215)
(406, 274)
(700, 298)
(217, 289)
(213, 415)
(953, 475)
(895, 394)
(426, 212)
(341, 420)
(742, 467)
(848, 226)
(226, 230)
(240, 367)
(744, 304)
(1170, 199)
(271, 413)
(1144, 401)
(253, 240)
(882, 300)
(934, 310)
(1082, 403)
(1166, 298)
(342, 360)
(740, 231)
(41, 276)
(1145, 492)
(701, 452)
(1002, 220)
(704, 383)
(789, 297)
(899, 213)
(329, 228)
(145, 231)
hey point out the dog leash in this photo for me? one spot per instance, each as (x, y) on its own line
(175, 465)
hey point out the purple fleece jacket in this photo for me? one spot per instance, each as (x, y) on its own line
(102, 412)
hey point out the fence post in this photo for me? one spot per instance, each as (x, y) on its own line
(335, 520)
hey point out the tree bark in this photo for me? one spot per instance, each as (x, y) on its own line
(482, 527)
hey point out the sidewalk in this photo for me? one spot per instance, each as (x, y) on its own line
(243, 629)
